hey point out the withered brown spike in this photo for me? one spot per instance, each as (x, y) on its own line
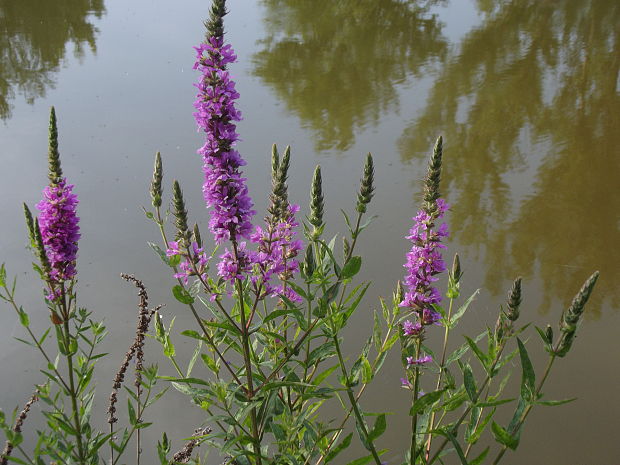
(184, 454)
(136, 349)
(17, 427)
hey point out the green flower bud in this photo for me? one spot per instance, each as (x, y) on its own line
(433, 176)
(366, 188)
(180, 214)
(53, 155)
(570, 318)
(514, 300)
(316, 203)
(156, 187)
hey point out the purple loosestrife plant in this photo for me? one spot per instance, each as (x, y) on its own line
(271, 362)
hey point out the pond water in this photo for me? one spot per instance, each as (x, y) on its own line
(525, 93)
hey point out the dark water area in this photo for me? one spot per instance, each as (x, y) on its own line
(526, 95)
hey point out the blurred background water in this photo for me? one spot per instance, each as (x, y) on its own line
(525, 93)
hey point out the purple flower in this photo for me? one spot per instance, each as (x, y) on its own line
(230, 268)
(424, 262)
(60, 232)
(192, 264)
(224, 189)
(420, 361)
(276, 253)
(411, 329)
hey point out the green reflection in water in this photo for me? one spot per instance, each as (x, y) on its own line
(336, 64)
(33, 43)
(532, 97)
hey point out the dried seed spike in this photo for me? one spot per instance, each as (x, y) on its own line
(135, 350)
(17, 427)
(183, 455)
(53, 155)
(156, 183)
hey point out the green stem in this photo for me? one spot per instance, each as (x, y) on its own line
(72, 392)
(414, 417)
(195, 312)
(353, 400)
(248, 362)
(487, 380)
(529, 407)
(441, 370)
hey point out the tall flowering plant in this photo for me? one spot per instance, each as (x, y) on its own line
(270, 302)
(66, 392)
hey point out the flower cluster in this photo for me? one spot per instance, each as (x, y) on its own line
(224, 188)
(190, 265)
(60, 232)
(276, 253)
(424, 262)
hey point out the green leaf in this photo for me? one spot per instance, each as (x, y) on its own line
(470, 383)
(528, 382)
(161, 253)
(494, 403)
(23, 318)
(361, 460)
(455, 443)
(425, 401)
(479, 354)
(377, 333)
(478, 460)
(346, 442)
(366, 371)
(504, 437)
(351, 268)
(379, 428)
(475, 436)
(2, 275)
(462, 309)
(324, 375)
(553, 403)
(132, 412)
(182, 295)
(321, 353)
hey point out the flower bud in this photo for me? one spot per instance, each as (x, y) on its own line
(316, 201)
(514, 300)
(53, 156)
(156, 187)
(180, 213)
(570, 318)
(366, 188)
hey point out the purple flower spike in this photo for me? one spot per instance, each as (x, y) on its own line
(224, 189)
(424, 262)
(60, 232)
(276, 254)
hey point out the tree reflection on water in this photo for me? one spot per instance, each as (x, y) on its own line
(33, 43)
(532, 98)
(337, 64)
